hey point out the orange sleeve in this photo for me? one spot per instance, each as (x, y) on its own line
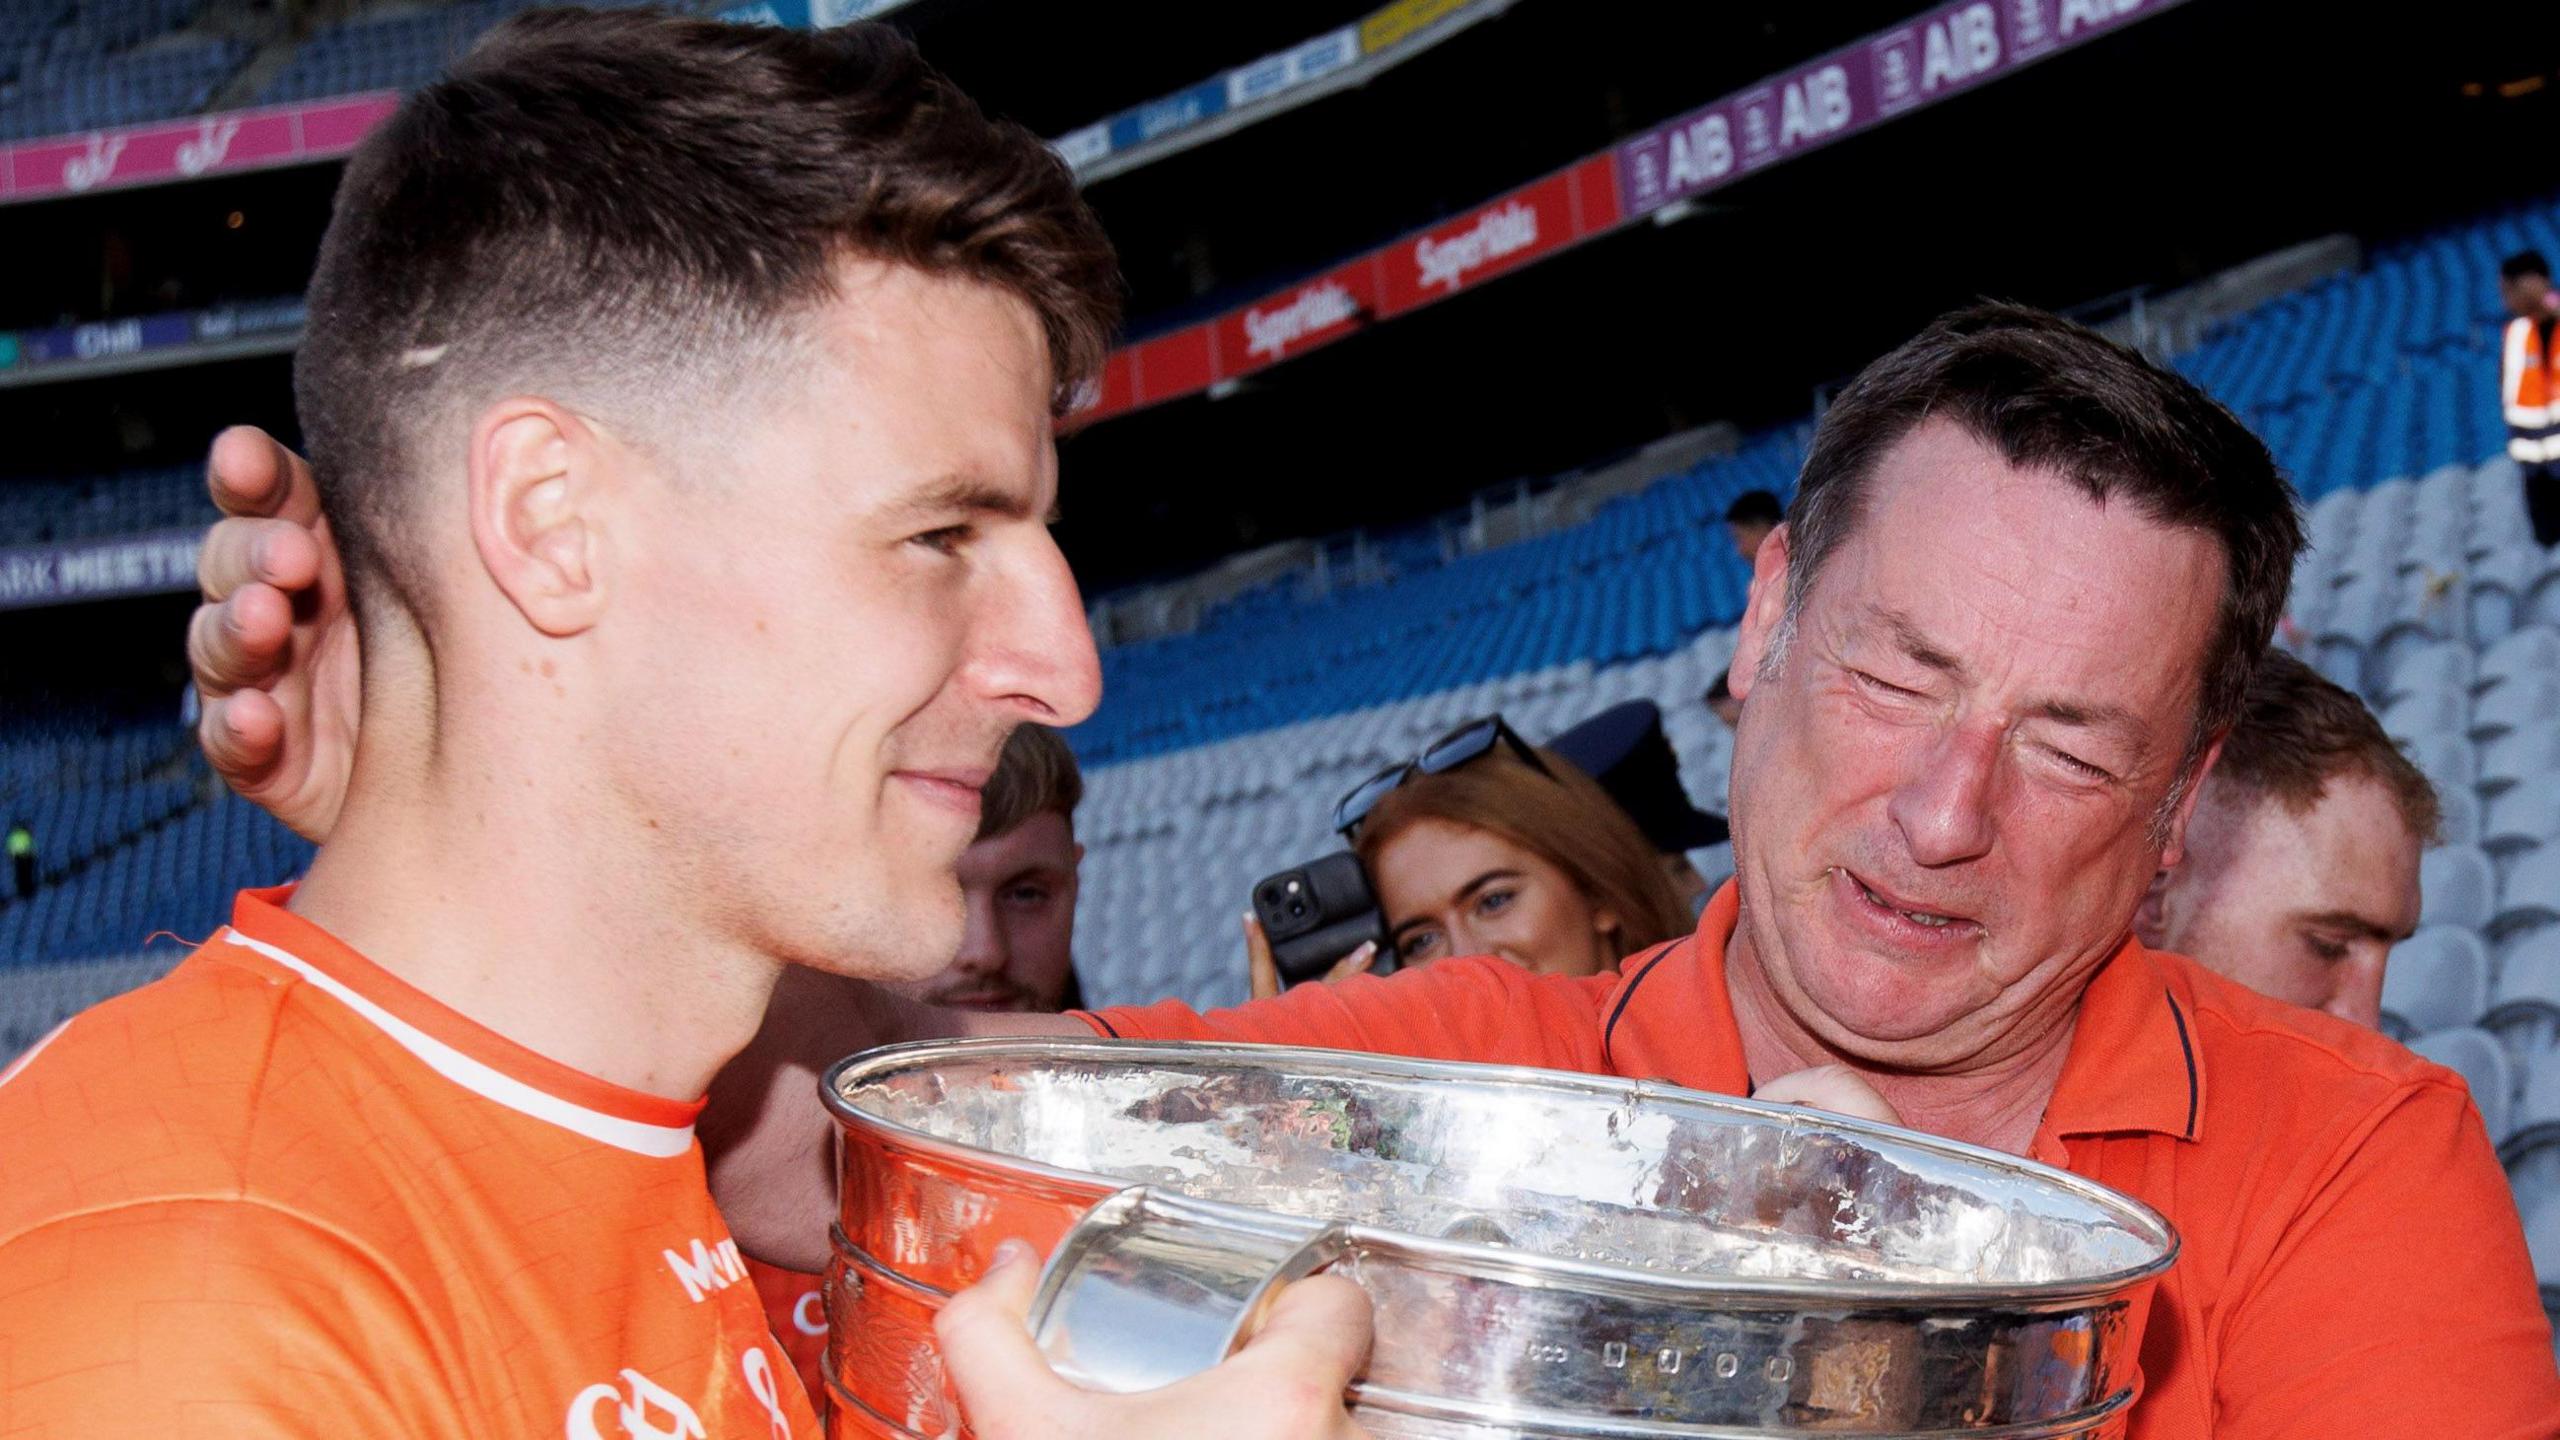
(2400, 1301)
(214, 1320)
(1473, 1008)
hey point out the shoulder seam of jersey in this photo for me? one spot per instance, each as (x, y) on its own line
(659, 1142)
(2424, 1073)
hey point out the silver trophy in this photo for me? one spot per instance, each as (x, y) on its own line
(1549, 1254)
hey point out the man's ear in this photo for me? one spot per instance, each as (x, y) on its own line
(536, 479)
(1762, 614)
(2175, 847)
(2151, 920)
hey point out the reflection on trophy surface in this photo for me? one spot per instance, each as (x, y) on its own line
(1548, 1254)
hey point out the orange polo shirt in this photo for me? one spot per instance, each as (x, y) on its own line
(282, 1193)
(2352, 1263)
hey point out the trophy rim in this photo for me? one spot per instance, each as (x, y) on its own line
(2131, 1214)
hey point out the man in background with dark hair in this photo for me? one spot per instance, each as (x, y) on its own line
(2529, 385)
(2301, 869)
(1749, 519)
(681, 397)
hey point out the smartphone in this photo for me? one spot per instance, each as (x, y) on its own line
(1317, 913)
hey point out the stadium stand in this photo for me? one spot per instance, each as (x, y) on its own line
(35, 512)
(94, 64)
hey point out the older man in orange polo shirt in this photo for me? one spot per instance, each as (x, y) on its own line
(1984, 664)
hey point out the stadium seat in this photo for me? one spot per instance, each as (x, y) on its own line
(2483, 1065)
(2457, 887)
(2519, 755)
(2524, 1009)
(2428, 711)
(2444, 665)
(2531, 893)
(2531, 650)
(2526, 699)
(2522, 817)
(2436, 979)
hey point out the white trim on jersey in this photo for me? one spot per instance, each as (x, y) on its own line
(18, 1067)
(660, 1141)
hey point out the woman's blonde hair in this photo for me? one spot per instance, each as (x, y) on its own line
(1564, 818)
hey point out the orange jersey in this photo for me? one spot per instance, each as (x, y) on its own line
(795, 1306)
(2529, 390)
(284, 1193)
(2351, 1262)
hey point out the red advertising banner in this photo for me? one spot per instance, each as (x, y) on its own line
(1528, 224)
(1177, 364)
(185, 149)
(1316, 311)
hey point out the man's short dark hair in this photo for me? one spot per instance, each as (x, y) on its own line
(2298, 732)
(1036, 775)
(626, 199)
(2523, 263)
(2055, 396)
(1754, 507)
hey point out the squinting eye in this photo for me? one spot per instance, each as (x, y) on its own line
(945, 541)
(1026, 895)
(2079, 766)
(1416, 943)
(2326, 949)
(1884, 687)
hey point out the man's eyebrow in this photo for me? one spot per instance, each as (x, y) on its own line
(2349, 920)
(1907, 636)
(963, 495)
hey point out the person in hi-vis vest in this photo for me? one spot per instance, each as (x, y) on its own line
(2529, 388)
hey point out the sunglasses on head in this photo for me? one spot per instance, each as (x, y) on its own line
(1471, 741)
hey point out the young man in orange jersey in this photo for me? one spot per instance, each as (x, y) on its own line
(681, 397)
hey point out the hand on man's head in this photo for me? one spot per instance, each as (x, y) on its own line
(273, 645)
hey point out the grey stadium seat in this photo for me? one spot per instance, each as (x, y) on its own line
(2456, 886)
(2446, 665)
(2523, 816)
(2524, 1008)
(2531, 894)
(2438, 979)
(2526, 699)
(2534, 649)
(2482, 1063)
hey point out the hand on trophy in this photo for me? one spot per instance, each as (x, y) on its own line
(1835, 1088)
(1285, 1384)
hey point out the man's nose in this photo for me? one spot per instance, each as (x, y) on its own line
(1037, 650)
(2358, 993)
(982, 939)
(1944, 805)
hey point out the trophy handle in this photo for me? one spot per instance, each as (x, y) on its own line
(1151, 1286)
